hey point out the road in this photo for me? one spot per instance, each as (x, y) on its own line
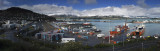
(47, 26)
(9, 34)
(129, 46)
(44, 25)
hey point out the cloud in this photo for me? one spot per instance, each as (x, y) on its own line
(154, 12)
(4, 3)
(90, 1)
(124, 10)
(51, 9)
(73, 1)
(129, 10)
(142, 3)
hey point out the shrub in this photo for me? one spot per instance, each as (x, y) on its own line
(87, 47)
(72, 46)
(102, 45)
(5, 43)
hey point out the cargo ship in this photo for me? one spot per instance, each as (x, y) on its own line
(119, 29)
(139, 31)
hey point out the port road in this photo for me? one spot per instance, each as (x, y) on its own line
(130, 46)
(47, 26)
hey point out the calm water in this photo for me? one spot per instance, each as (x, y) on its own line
(151, 28)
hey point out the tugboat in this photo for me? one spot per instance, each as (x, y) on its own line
(119, 29)
(86, 23)
(139, 31)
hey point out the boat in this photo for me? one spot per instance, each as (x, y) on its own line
(86, 23)
(75, 31)
(107, 37)
(119, 29)
(139, 31)
(156, 36)
(100, 35)
(96, 30)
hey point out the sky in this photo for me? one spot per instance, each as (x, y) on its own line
(149, 8)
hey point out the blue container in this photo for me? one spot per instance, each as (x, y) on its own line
(117, 42)
(122, 30)
(86, 37)
(113, 30)
(44, 36)
(57, 37)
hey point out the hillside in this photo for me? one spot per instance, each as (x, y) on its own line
(16, 13)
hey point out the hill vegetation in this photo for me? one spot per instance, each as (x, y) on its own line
(16, 13)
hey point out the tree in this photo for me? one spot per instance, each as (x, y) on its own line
(72, 46)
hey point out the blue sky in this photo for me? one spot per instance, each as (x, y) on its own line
(149, 8)
(81, 5)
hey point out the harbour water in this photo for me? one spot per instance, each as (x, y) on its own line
(106, 25)
(150, 28)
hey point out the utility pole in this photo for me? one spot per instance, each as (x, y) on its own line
(123, 40)
(142, 46)
(109, 31)
(51, 37)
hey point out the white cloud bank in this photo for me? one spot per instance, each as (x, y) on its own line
(126, 10)
(4, 3)
(51, 9)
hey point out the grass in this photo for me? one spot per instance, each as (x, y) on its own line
(7, 45)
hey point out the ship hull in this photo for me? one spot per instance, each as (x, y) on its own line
(140, 33)
(122, 30)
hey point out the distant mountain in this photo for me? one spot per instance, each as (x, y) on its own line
(16, 13)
